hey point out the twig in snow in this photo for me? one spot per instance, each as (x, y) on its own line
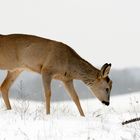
(130, 121)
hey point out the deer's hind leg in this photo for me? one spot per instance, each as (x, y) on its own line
(11, 77)
(70, 88)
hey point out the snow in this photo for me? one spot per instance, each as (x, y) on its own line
(28, 121)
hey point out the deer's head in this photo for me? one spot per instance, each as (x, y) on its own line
(101, 87)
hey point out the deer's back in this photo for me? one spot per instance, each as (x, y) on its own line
(34, 52)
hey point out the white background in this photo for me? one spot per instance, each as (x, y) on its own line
(99, 30)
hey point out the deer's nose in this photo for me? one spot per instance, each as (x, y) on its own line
(106, 103)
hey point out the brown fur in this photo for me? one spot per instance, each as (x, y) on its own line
(54, 60)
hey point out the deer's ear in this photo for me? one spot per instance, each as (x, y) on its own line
(105, 70)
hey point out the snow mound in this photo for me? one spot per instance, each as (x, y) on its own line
(28, 121)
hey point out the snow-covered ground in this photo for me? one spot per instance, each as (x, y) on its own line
(28, 121)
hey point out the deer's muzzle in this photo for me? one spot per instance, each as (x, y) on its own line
(106, 103)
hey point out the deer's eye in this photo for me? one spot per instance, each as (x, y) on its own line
(107, 90)
(107, 80)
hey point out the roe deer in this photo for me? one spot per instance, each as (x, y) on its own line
(54, 60)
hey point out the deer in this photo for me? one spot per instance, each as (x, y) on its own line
(53, 60)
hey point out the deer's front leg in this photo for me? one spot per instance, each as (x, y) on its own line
(46, 77)
(70, 88)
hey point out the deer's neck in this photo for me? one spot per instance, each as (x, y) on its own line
(86, 72)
